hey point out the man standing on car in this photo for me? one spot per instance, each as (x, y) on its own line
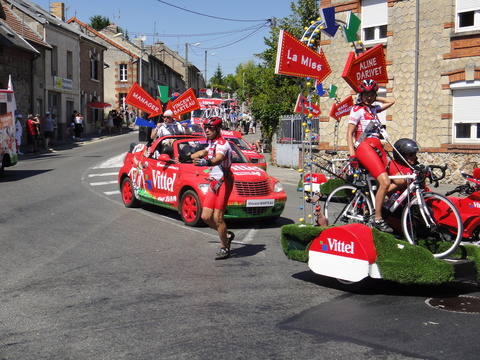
(219, 158)
(169, 127)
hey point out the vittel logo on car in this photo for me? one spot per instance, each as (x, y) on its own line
(338, 246)
(476, 205)
(162, 181)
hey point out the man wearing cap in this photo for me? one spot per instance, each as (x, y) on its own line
(169, 127)
(47, 125)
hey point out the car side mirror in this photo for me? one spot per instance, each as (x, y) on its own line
(164, 157)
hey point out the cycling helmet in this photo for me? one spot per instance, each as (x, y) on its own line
(213, 121)
(367, 85)
(404, 147)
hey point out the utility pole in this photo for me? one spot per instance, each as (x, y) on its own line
(186, 66)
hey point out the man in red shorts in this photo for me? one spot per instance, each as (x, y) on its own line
(219, 158)
(363, 139)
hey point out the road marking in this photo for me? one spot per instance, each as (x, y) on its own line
(105, 174)
(103, 183)
(116, 192)
(114, 162)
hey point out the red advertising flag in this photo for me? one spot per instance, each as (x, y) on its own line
(341, 109)
(139, 98)
(369, 65)
(306, 107)
(184, 103)
(294, 58)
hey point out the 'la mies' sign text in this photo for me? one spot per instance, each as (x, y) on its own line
(294, 58)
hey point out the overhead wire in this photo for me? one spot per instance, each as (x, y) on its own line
(210, 16)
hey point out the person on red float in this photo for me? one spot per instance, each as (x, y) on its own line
(404, 159)
(363, 139)
(218, 156)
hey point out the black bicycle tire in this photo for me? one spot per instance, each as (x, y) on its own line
(333, 198)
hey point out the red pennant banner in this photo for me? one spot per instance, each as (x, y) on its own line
(369, 65)
(139, 98)
(294, 58)
(341, 109)
(184, 103)
(315, 109)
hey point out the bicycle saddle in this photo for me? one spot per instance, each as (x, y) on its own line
(331, 152)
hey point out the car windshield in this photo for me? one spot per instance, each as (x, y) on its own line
(186, 148)
(240, 142)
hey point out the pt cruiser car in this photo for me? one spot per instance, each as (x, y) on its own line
(152, 174)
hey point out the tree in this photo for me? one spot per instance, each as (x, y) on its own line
(99, 22)
(217, 80)
(270, 95)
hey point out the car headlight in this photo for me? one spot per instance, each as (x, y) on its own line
(278, 187)
(203, 187)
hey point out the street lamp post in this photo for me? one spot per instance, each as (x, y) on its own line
(186, 63)
(206, 77)
(142, 40)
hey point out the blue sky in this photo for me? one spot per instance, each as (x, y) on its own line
(228, 43)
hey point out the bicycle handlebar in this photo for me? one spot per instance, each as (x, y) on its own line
(424, 172)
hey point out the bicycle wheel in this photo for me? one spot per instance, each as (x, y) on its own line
(346, 204)
(442, 236)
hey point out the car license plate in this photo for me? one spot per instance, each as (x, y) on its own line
(260, 202)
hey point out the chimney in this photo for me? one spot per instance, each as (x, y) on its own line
(58, 10)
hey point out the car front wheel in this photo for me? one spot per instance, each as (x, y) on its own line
(191, 209)
(128, 194)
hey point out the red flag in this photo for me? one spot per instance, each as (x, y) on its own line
(294, 58)
(139, 98)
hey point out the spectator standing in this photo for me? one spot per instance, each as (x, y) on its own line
(78, 126)
(32, 130)
(47, 125)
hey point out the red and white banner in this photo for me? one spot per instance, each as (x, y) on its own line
(294, 58)
(369, 65)
(315, 109)
(139, 98)
(184, 103)
(342, 108)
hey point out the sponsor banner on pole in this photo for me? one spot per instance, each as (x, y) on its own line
(184, 103)
(369, 65)
(139, 98)
(294, 58)
(308, 107)
(342, 108)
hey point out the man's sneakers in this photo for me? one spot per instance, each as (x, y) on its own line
(230, 237)
(382, 226)
(224, 252)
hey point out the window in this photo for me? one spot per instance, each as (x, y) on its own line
(122, 72)
(466, 112)
(468, 15)
(54, 63)
(93, 68)
(121, 99)
(374, 21)
(69, 65)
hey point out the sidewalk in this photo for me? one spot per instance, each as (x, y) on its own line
(69, 144)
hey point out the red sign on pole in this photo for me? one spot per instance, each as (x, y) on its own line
(315, 109)
(294, 58)
(184, 103)
(341, 109)
(139, 98)
(369, 65)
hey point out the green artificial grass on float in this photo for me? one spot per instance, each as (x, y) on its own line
(397, 260)
(327, 187)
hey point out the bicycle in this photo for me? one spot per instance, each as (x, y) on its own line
(427, 218)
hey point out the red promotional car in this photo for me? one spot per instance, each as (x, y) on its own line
(150, 174)
(254, 157)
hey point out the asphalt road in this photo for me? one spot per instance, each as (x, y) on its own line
(86, 278)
